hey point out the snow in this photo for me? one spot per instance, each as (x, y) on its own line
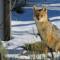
(20, 40)
(56, 17)
(23, 32)
(21, 22)
(56, 4)
(33, 56)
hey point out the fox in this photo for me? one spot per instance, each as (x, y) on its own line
(48, 32)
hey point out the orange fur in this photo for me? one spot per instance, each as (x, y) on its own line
(49, 32)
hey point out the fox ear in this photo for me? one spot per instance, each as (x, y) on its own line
(44, 9)
(35, 7)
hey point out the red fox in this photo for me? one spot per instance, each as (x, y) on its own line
(49, 33)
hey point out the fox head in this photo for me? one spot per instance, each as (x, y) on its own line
(41, 14)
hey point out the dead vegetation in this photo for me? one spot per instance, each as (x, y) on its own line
(3, 52)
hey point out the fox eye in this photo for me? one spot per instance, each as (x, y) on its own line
(41, 15)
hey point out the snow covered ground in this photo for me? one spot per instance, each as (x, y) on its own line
(23, 32)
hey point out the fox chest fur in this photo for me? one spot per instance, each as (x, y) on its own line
(49, 33)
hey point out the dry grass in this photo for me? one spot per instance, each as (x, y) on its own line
(3, 51)
(38, 47)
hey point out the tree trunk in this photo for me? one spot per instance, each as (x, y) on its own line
(0, 57)
(6, 20)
